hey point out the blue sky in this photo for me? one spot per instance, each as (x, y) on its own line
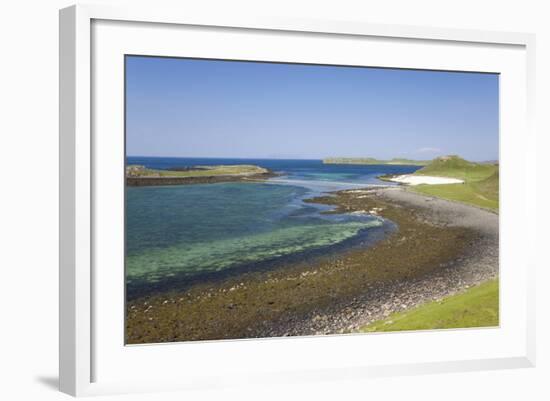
(207, 108)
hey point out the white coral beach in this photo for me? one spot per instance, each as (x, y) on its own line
(425, 179)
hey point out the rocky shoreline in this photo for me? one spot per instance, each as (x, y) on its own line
(477, 265)
(441, 248)
(152, 181)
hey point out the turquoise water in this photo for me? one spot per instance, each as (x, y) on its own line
(177, 234)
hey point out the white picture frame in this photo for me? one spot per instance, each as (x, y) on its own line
(81, 342)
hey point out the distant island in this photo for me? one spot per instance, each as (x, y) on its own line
(372, 160)
(138, 176)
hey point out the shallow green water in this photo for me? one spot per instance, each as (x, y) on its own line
(194, 229)
(176, 234)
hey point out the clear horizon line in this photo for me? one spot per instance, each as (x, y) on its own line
(307, 158)
(230, 157)
(277, 158)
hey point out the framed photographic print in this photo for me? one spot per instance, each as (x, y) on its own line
(273, 199)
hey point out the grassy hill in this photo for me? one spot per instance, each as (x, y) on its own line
(371, 160)
(481, 181)
(489, 184)
(196, 171)
(475, 307)
(456, 167)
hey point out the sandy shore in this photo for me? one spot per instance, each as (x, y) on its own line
(424, 179)
(441, 247)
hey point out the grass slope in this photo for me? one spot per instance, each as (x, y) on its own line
(480, 186)
(476, 307)
(456, 167)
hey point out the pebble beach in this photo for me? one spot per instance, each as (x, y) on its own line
(438, 249)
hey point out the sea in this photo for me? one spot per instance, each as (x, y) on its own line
(179, 235)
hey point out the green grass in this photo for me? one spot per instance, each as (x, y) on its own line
(480, 186)
(205, 171)
(476, 307)
(470, 193)
(456, 167)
